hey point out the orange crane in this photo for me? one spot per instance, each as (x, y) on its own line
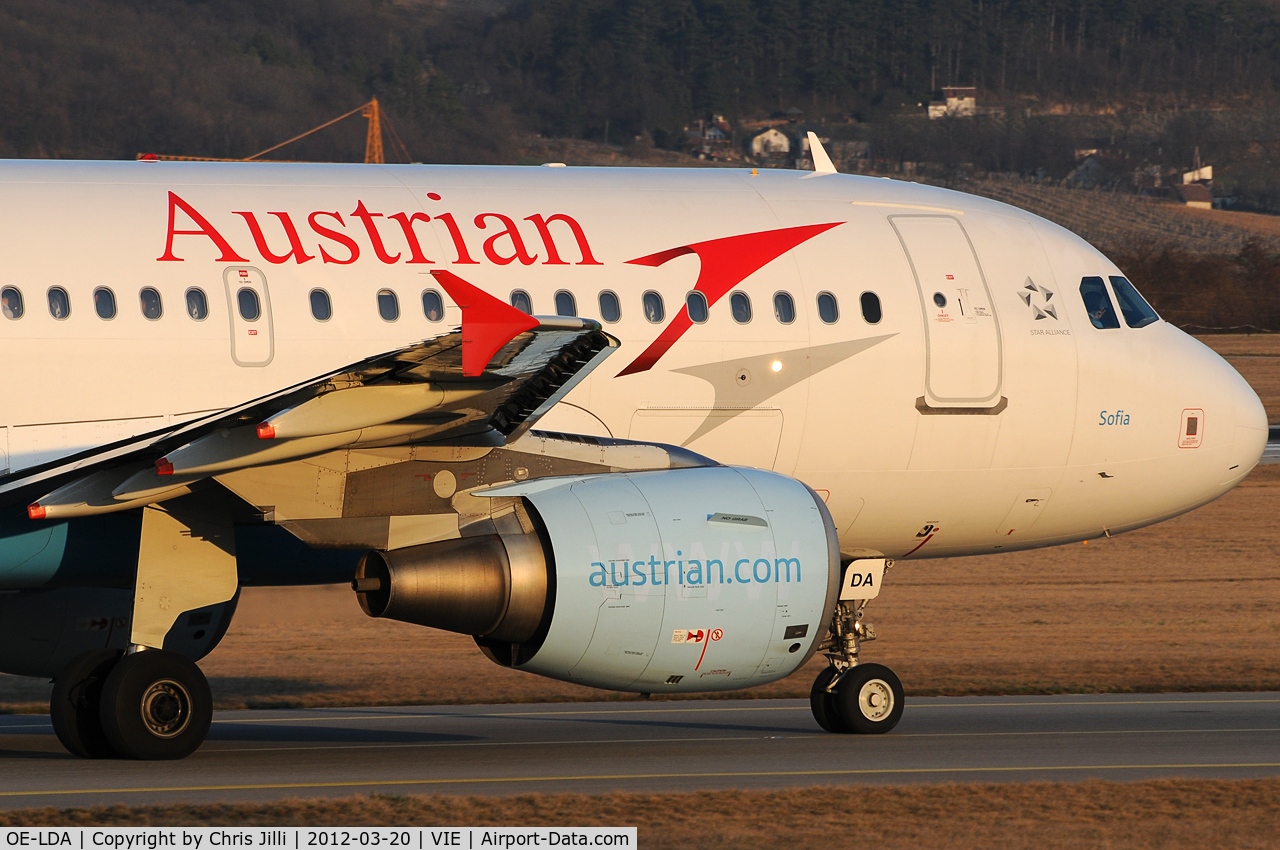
(372, 145)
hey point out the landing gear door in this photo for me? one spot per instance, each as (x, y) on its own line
(963, 366)
(249, 308)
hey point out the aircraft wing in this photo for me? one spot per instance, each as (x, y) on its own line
(487, 381)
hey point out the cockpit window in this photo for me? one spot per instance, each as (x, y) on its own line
(1135, 309)
(1098, 303)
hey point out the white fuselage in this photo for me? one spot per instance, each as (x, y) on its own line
(1002, 420)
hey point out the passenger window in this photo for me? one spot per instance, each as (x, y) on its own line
(59, 303)
(653, 310)
(1135, 309)
(250, 307)
(696, 303)
(784, 309)
(740, 306)
(432, 305)
(149, 299)
(521, 301)
(1098, 304)
(321, 306)
(565, 304)
(828, 309)
(104, 303)
(870, 303)
(11, 302)
(610, 306)
(197, 304)
(388, 305)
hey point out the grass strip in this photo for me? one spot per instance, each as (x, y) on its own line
(1164, 813)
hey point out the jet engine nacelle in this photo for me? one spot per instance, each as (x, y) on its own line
(701, 579)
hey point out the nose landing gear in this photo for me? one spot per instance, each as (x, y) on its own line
(869, 699)
(849, 696)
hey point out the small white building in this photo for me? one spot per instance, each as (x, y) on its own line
(1196, 195)
(771, 142)
(958, 102)
(1198, 174)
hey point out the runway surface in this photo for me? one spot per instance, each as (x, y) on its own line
(1271, 454)
(658, 746)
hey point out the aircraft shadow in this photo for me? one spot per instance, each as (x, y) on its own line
(40, 750)
(706, 725)
(321, 733)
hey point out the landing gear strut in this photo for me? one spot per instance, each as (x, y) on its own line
(150, 704)
(850, 696)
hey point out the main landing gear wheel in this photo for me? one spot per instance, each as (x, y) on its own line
(870, 699)
(823, 703)
(156, 705)
(73, 708)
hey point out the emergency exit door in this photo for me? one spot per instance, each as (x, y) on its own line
(963, 367)
(249, 306)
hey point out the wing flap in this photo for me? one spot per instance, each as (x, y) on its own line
(415, 394)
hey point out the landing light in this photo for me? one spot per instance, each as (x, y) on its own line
(777, 366)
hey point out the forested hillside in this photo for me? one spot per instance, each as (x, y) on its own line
(574, 63)
(1149, 81)
(463, 80)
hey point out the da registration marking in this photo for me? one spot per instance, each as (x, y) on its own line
(862, 579)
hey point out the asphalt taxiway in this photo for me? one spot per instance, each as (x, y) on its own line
(658, 746)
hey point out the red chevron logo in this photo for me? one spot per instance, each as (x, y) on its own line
(725, 263)
(487, 323)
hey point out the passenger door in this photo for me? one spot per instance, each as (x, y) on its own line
(249, 307)
(963, 358)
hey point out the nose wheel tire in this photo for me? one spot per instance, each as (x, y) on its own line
(156, 705)
(73, 708)
(823, 704)
(870, 699)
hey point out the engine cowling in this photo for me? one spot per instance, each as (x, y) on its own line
(702, 579)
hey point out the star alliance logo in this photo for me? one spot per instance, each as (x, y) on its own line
(1029, 297)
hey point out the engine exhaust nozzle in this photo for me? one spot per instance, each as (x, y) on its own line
(493, 586)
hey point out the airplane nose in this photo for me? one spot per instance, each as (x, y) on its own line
(1251, 429)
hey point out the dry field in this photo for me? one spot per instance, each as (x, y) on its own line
(1257, 357)
(1037, 816)
(1191, 604)
(1109, 218)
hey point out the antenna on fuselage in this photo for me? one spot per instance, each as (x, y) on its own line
(821, 162)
